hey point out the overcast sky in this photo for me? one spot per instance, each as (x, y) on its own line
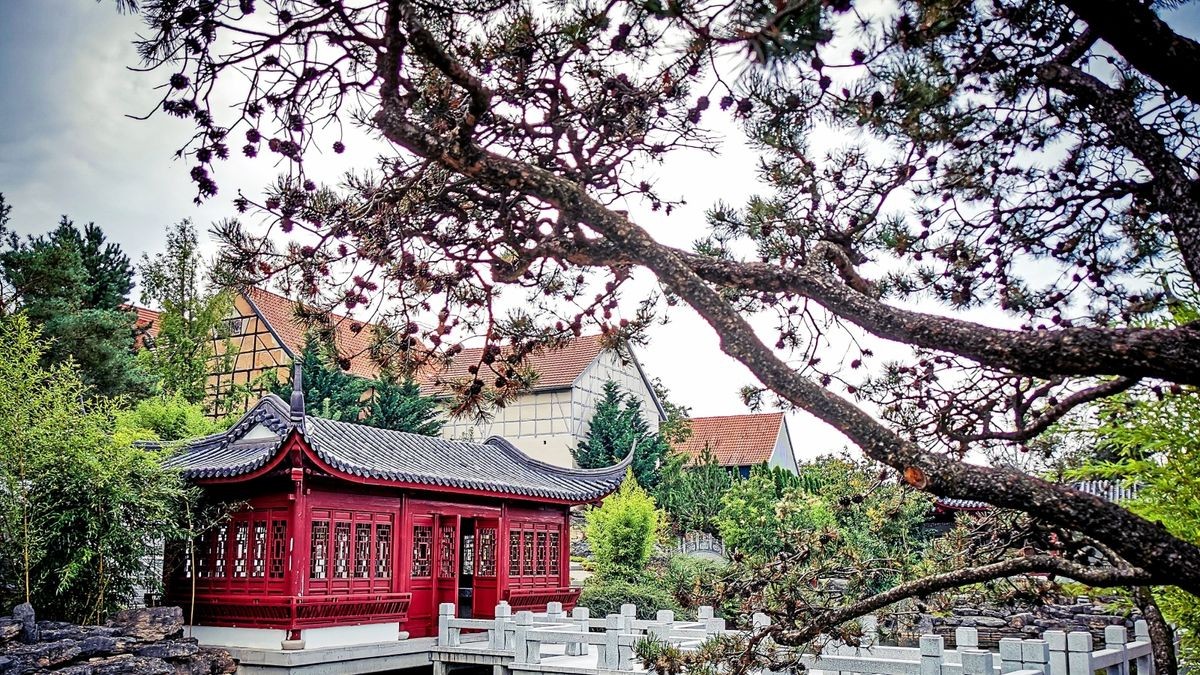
(67, 147)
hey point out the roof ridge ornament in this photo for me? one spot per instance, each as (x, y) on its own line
(297, 407)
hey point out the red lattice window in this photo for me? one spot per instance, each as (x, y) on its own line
(320, 549)
(422, 563)
(487, 552)
(258, 557)
(514, 553)
(446, 561)
(220, 550)
(527, 554)
(539, 553)
(341, 550)
(362, 550)
(383, 551)
(278, 548)
(203, 551)
(535, 551)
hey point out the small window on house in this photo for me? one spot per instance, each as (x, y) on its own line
(527, 555)
(446, 553)
(278, 547)
(258, 564)
(341, 550)
(553, 554)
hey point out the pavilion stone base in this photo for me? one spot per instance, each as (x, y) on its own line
(310, 638)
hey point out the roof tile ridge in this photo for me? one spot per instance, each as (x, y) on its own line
(604, 471)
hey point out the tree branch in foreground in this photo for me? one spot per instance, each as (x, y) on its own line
(1037, 564)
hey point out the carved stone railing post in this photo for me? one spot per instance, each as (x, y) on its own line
(1079, 654)
(581, 616)
(1056, 642)
(498, 637)
(447, 636)
(933, 649)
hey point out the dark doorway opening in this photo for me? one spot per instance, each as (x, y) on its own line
(466, 568)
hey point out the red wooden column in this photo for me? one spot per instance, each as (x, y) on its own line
(564, 549)
(300, 527)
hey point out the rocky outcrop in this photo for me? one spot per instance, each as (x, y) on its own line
(138, 642)
(994, 622)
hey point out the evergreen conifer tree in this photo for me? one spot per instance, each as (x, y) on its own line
(617, 428)
(329, 391)
(398, 405)
(74, 285)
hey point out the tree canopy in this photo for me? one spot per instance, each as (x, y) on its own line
(1036, 159)
(191, 315)
(75, 285)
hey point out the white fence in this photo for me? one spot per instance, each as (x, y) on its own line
(554, 641)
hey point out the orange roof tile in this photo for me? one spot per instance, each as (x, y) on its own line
(352, 337)
(556, 368)
(147, 319)
(736, 440)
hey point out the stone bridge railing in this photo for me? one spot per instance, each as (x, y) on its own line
(555, 642)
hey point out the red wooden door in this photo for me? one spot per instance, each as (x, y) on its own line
(422, 611)
(487, 568)
(445, 581)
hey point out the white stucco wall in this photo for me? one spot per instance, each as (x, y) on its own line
(548, 425)
(783, 455)
(589, 389)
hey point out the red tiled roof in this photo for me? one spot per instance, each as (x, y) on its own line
(353, 337)
(556, 368)
(736, 440)
(147, 319)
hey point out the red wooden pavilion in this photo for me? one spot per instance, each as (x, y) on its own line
(336, 524)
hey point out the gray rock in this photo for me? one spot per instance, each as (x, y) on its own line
(988, 622)
(9, 630)
(100, 645)
(48, 654)
(169, 650)
(149, 623)
(127, 664)
(964, 611)
(24, 615)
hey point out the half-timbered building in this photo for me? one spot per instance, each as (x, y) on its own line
(263, 335)
(340, 533)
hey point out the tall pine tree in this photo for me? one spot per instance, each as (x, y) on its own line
(617, 428)
(74, 285)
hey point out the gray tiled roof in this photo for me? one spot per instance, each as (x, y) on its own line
(495, 466)
(1113, 491)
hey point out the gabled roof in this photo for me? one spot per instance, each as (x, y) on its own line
(736, 440)
(353, 337)
(556, 368)
(494, 467)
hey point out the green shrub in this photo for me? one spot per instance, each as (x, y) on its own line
(622, 531)
(693, 581)
(604, 595)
